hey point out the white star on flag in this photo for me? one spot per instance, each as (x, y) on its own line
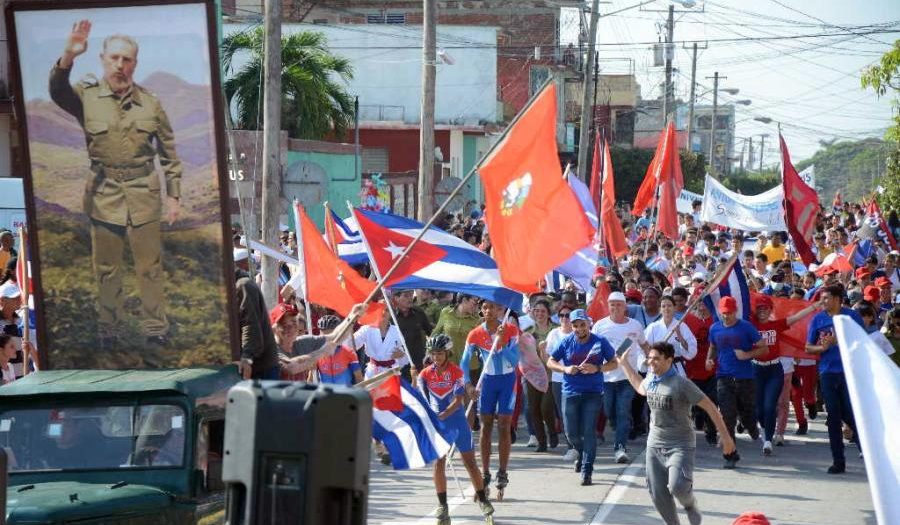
(394, 250)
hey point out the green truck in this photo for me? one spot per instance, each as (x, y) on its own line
(115, 446)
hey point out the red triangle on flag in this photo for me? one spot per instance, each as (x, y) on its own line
(386, 396)
(387, 245)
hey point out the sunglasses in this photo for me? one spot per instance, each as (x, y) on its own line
(566, 315)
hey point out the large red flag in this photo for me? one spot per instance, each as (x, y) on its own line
(801, 206)
(613, 234)
(664, 172)
(599, 307)
(534, 218)
(792, 340)
(330, 281)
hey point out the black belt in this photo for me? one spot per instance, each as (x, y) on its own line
(123, 173)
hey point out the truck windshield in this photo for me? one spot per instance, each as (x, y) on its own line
(97, 437)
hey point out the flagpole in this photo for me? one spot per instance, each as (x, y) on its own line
(23, 288)
(601, 164)
(301, 256)
(387, 297)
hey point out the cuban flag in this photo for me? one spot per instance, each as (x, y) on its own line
(407, 426)
(349, 243)
(439, 261)
(580, 267)
(731, 283)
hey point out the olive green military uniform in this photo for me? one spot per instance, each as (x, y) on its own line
(124, 134)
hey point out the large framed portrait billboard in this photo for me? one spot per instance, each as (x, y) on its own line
(120, 110)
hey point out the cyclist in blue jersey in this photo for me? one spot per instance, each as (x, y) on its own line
(442, 383)
(497, 395)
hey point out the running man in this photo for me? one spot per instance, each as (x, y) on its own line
(497, 396)
(671, 442)
(442, 383)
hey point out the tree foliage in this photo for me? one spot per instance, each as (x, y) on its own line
(315, 103)
(884, 78)
(854, 168)
(747, 183)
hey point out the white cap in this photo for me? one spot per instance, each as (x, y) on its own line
(240, 254)
(9, 290)
(616, 296)
(698, 275)
(684, 281)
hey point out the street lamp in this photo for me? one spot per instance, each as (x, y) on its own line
(764, 120)
(745, 102)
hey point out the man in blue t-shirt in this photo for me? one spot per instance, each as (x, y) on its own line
(733, 343)
(581, 357)
(821, 339)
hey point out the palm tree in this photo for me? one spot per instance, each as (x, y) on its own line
(314, 102)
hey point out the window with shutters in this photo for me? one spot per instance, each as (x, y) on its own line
(375, 160)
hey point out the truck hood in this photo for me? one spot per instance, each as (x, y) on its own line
(66, 501)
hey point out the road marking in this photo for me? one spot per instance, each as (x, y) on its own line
(626, 479)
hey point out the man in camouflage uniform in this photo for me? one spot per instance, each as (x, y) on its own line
(125, 129)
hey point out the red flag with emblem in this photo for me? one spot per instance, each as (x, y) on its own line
(330, 281)
(801, 207)
(386, 245)
(534, 218)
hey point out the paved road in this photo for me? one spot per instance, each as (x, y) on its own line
(791, 488)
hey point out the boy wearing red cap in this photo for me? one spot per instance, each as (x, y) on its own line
(733, 342)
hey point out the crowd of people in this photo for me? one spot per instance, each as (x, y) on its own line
(660, 363)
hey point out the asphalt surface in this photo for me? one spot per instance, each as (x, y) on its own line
(790, 487)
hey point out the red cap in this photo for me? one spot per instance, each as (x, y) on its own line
(872, 294)
(281, 310)
(727, 305)
(830, 270)
(762, 301)
(634, 294)
(883, 282)
(862, 271)
(752, 518)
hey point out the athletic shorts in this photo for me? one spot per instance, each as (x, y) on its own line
(498, 394)
(463, 432)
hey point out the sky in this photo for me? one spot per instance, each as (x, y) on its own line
(809, 84)
(172, 38)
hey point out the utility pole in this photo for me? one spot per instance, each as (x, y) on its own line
(669, 50)
(271, 191)
(762, 150)
(712, 125)
(750, 155)
(690, 125)
(426, 127)
(587, 95)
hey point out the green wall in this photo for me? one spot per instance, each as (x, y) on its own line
(336, 166)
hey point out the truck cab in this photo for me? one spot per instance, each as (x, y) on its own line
(115, 446)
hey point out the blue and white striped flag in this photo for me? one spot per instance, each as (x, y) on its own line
(350, 245)
(414, 436)
(733, 284)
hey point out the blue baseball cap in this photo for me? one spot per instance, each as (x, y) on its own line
(579, 315)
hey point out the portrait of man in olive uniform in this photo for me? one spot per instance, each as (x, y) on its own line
(126, 131)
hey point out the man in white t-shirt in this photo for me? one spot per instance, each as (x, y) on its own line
(618, 392)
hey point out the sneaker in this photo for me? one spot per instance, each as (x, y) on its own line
(486, 508)
(570, 455)
(578, 465)
(621, 456)
(767, 448)
(730, 464)
(812, 410)
(754, 434)
(693, 514)
(442, 513)
(385, 459)
(540, 448)
(532, 441)
(838, 468)
(554, 441)
(802, 429)
(586, 480)
(779, 440)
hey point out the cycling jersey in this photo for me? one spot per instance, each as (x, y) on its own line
(338, 368)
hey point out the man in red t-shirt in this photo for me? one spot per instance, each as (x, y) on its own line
(768, 371)
(699, 321)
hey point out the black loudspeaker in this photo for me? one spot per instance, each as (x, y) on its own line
(296, 453)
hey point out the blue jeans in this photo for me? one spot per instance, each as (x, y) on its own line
(769, 381)
(837, 404)
(580, 412)
(617, 397)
